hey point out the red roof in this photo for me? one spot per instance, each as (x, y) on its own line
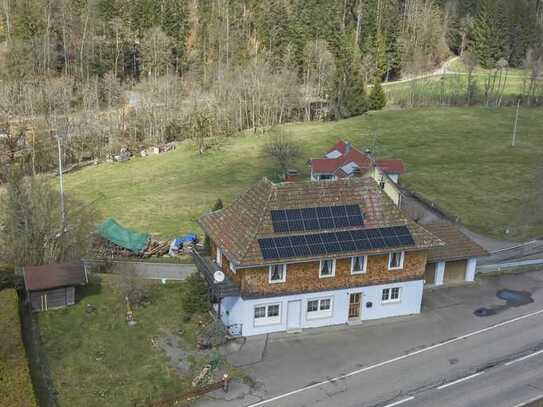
(362, 160)
(54, 275)
(391, 166)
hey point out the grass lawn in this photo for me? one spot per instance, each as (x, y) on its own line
(96, 359)
(459, 157)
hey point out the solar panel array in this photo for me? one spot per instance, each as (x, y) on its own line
(319, 218)
(317, 244)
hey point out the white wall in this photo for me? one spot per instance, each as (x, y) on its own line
(470, 269)
(235, 310)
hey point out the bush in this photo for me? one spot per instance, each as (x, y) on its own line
(195, 299)
(15, 384)
(7, 278)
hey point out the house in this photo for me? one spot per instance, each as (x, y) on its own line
(343, 160)
(54, 285)
(308, 254)
(456, 261)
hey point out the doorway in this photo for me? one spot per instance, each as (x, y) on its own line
(294, 315)
(355, 300)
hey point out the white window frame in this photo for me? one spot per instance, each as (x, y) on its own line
(232, 268)
(332, 177)
(270, 268)
(389, 299)
(364, 267)
(267, 320)
(319, 313)
(402, 257)
(218, 256)
(333, 268)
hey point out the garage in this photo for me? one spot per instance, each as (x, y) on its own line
(456, 261)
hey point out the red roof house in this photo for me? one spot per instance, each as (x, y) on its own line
(343, 160)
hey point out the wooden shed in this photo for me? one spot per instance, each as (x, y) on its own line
(53, 286)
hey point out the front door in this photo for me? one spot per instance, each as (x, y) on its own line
(354, 305)
(294, 315)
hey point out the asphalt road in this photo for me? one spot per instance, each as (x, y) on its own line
(423, 377)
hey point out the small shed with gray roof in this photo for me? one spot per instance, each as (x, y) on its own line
(53, 286)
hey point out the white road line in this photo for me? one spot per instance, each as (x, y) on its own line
(397, 403)
(397, 359)
(528, 402)
(531, 355)
(444, 386)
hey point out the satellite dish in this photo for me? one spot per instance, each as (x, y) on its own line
(218, 276)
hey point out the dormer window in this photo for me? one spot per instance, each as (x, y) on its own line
(278, 273)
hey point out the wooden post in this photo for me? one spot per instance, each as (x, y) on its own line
(515, 126)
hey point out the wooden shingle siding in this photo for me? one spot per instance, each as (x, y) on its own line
(302, 277)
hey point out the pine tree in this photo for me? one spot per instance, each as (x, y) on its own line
(377, 99)
(489, 32)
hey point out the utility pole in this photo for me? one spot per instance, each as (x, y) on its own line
(62, 213)
(515, 126)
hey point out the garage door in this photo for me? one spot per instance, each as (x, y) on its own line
(455, 271)
(430, 273)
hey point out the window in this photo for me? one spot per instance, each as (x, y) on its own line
(327, 268)
(395, 260)
(391, 294)
(219, 256)
(358, 264)
(326, 177)
(278, 273)
(319, 308)
(267, 314)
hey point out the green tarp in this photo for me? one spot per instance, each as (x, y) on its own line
(123, 237)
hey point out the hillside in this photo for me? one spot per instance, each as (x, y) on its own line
(459, 157)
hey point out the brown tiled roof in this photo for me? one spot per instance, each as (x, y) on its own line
(237, 228)
(53, 275)
(458, 245)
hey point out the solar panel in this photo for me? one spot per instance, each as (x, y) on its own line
(317, 244)
(317, 218)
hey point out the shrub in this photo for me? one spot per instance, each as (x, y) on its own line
(15, 384)
(195, 297)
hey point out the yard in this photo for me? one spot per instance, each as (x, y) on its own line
(461, 158)
(96, 359)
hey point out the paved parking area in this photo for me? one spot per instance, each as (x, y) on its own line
(288, 361)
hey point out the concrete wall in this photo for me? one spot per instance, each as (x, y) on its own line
(239, 311)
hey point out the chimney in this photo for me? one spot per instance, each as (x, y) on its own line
(292, 176)
(348, 147)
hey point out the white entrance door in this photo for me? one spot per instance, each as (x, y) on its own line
(294, 315)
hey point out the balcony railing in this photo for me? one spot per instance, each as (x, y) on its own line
(207, 267)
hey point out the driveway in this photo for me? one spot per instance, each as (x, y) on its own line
(290, 367)
(151, 271)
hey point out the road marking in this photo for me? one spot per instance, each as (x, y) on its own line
(531, 355)
(527, 402)
(397, 359)
(444, 386)
(397, 403)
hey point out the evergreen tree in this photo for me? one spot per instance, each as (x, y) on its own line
(377, 99)
(489, 33)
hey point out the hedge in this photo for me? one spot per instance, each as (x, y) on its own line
(15, 383)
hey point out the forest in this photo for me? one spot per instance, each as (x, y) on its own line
(109, 74)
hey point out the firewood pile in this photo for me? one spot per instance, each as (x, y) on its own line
(156, 248)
